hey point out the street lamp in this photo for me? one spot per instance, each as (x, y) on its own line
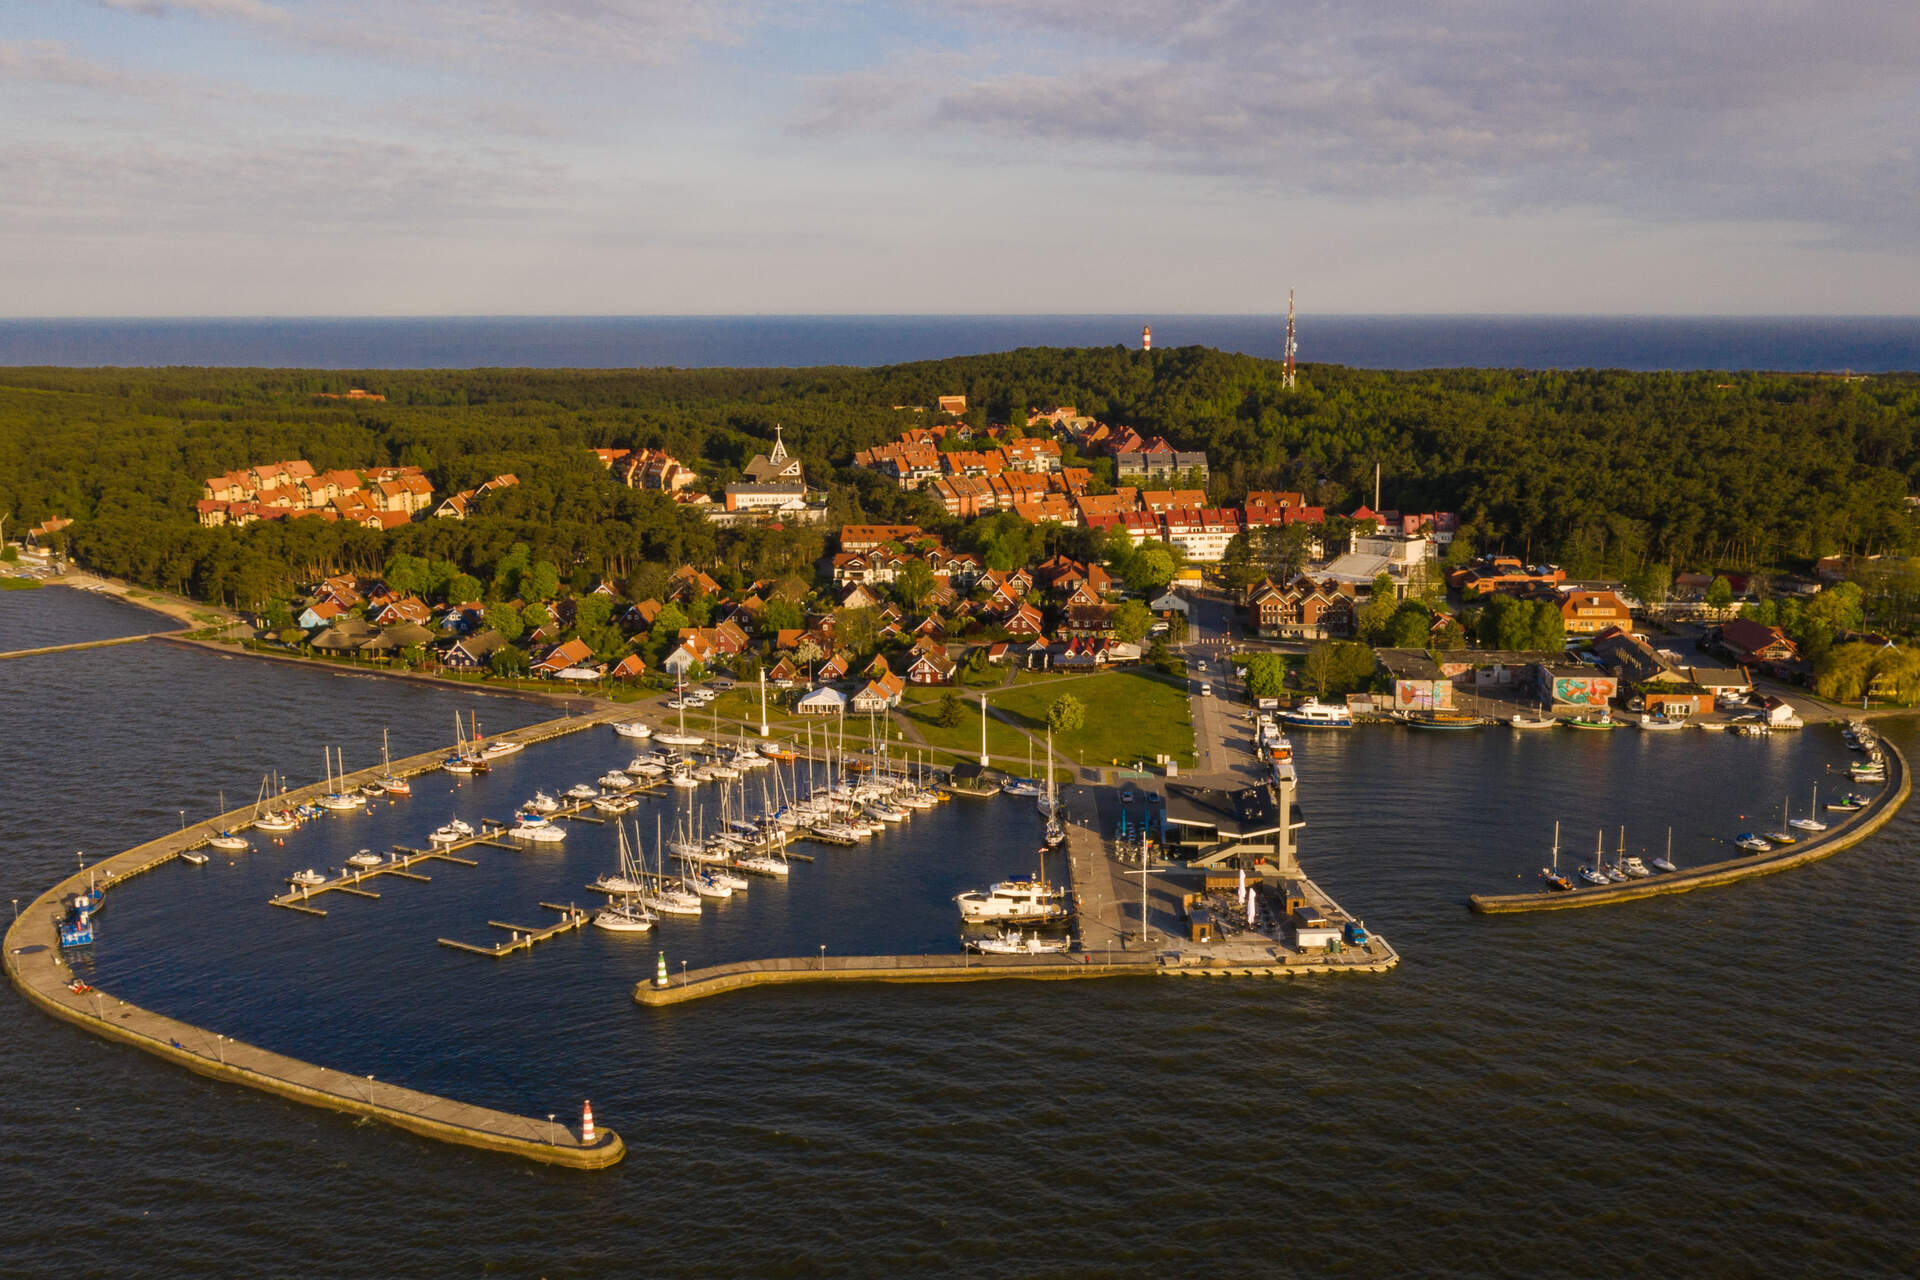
(550, 1116)
(823, 957)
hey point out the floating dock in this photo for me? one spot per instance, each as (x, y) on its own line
(1854, 828)
(35, 966)
(524, 936)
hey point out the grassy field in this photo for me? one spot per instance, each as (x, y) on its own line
(921, 708)
(1130, 716)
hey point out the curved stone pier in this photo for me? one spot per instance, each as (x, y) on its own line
(35, 966)
(1845, 835)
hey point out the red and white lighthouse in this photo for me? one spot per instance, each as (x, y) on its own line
(586, 1124)
(1146, 337)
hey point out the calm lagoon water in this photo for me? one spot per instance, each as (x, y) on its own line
(1721, 1082)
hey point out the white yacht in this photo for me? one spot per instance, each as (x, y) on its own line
(1314, 714)
(364, 859)
(541, 803)
(616, 804)
(543, 832)
(642, 767)
(500, 747)
(684, 779)
(308, 879)
(1018, 901)
(632, 729)
(228, 842)
(615, 780)
(581, 791)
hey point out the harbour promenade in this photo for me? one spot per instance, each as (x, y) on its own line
(35, 966)
(1850, 831)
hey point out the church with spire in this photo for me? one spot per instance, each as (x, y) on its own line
(773, 487)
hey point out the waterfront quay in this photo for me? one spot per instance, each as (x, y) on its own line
(1844, 834)
(36, 967)
(1120, 931)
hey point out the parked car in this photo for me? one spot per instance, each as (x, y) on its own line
(1127, 794)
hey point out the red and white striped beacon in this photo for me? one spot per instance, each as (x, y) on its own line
(586, 1124)
(1146, 337)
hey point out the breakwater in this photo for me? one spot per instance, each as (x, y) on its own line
(1856, 827)
(36, 967)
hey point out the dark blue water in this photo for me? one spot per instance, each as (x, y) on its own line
(1822, 343)
(34, 618)
(1720, 1082)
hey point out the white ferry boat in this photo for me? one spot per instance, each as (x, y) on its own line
(1314, 714)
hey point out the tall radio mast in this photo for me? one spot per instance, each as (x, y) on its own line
(1286, 369)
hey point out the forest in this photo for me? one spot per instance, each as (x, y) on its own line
(1607, 472)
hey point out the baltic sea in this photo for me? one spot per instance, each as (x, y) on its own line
(1862, 344)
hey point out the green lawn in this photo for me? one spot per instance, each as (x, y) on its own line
(920, 707)
(1131, 715)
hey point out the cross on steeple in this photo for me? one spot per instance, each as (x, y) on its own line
(779, 453)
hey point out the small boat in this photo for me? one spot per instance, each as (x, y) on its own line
(1846, 804)
(1747, 840)
(541, 803)
(308, 879)
(542, 833)
(285, 820)
(1810, 823)
(194, 856)
(1314, 714)
(683, 778)
(762, 865)
(707, 886)
(1593, 875)
(1014, 943)
(373, 790)
(501, 747)
(1020, 787)
(616, 804)
(1659, 723)
(581, 791)
(776, 751)
(228, 842)
(1601, 719)
(1445, 720)
(1531, 722)
(1635, 869)
(1780, 837)
(722, 877)
(632, 729)
(615, 780)
(642, 767)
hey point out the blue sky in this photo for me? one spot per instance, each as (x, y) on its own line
(418, 157)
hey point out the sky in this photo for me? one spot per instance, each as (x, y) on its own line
(661, 157)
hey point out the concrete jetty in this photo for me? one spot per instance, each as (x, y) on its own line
(1851, 830)
(86, 644)
(35, 966)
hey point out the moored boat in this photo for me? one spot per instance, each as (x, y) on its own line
(1314, 714)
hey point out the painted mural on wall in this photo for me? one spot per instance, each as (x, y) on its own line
(1583, 691)
(1423, 695)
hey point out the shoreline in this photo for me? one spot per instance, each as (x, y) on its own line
(37, 970)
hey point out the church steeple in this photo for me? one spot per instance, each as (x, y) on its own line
(779, 453)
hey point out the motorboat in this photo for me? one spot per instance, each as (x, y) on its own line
(615, 780)
(1659, 723)
(616, 804)
(1021, 900)
(308, 879)
(373, 790)
(632, 729)
(721, 769)
(1532, 722)
(364, 859)
(543, 833)
(684, 779)
(1020, 787)
(1808, 824)
(194, 856)
(776, 751)
(1314, 714)
(444, 835)
(1015, 943)
(1747, 840)
(1635, 869)
(581, 791)
(886, 812)
(501, 747)
(1601, 719)
(541, 803)
(645, 768)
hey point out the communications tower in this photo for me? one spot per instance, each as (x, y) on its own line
(1286, 369)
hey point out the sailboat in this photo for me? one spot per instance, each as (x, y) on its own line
(1027, 786)
(226, 840)
(623, 914)
(1551, 874)
(680, 737)
(625, 880)
(1665, 865)
(338, 799)
(392, 784)
(1810, 823)
(1597, 873)
(1046, 797)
